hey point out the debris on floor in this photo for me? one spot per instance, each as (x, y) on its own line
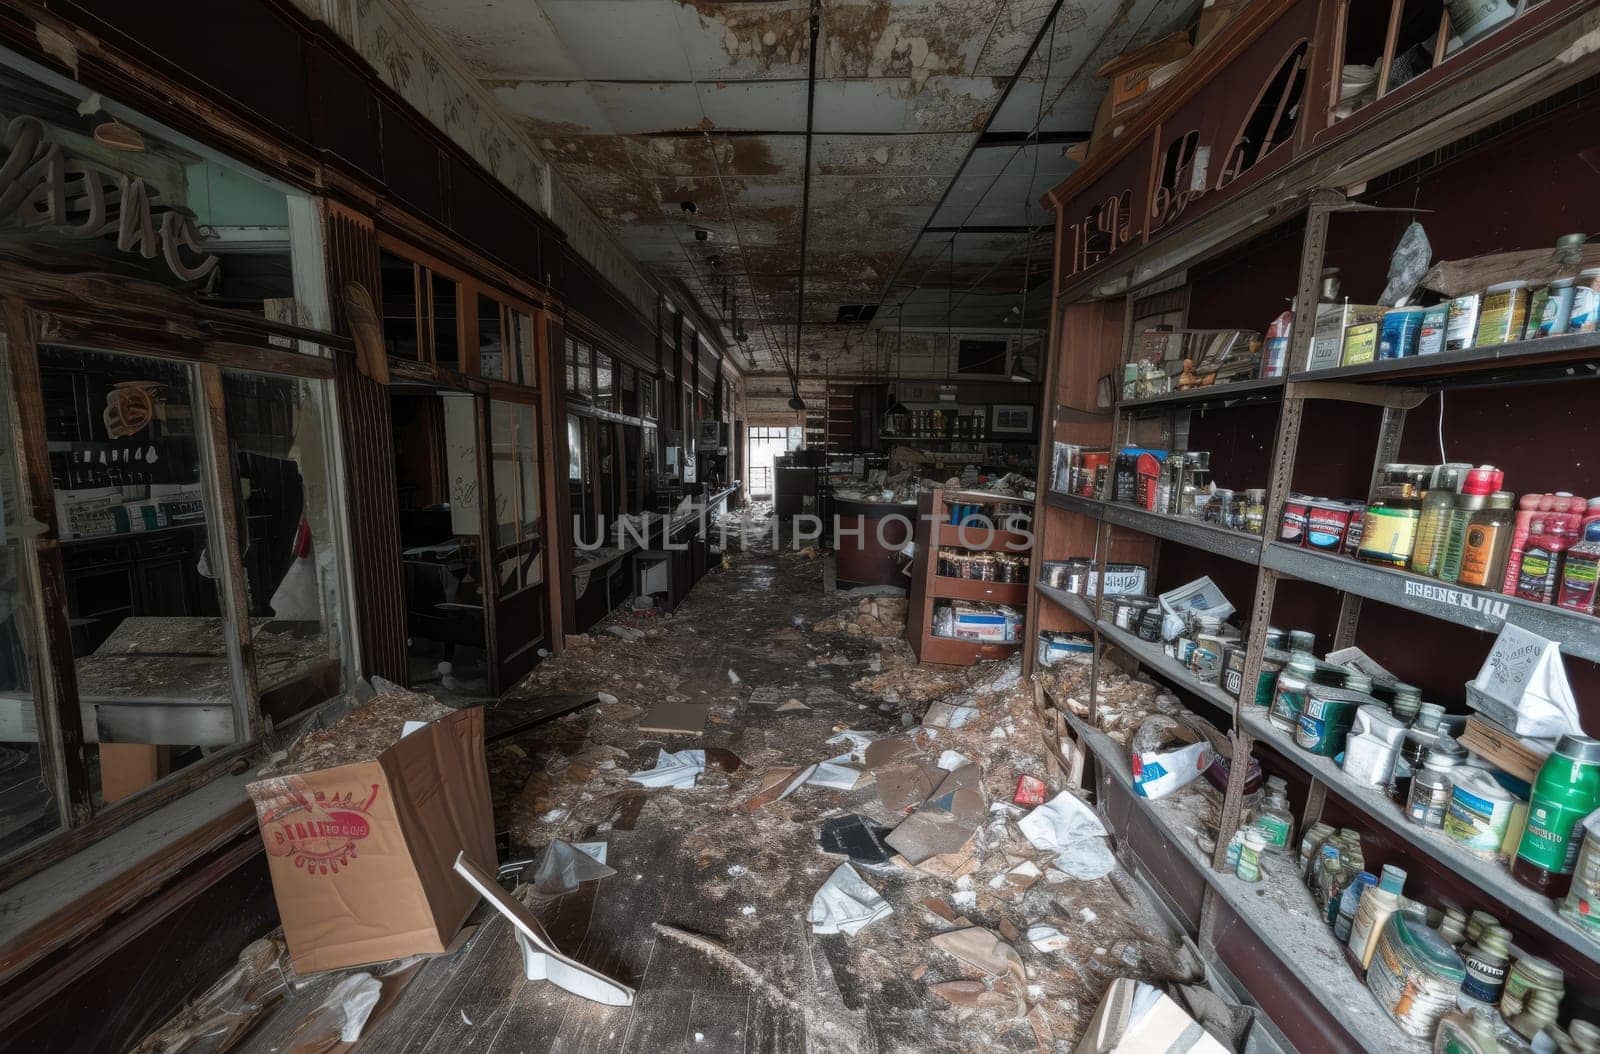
(894, 863)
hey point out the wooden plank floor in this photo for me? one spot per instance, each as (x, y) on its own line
(478, 1000)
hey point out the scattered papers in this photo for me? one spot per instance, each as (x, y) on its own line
(836, 773)
(859, 741)
(1070, 829)
(845, 903)
(679, 719)
(677, 769)
(563, 866)
(950, 761)
(594, 849)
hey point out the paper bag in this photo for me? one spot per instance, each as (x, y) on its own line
(1523, 686)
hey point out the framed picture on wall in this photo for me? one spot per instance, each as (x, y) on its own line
(1011, 419)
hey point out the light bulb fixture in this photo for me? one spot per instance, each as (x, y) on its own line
(796, 403)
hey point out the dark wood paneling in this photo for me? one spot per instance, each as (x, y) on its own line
(410, 162)
(249, 55)
(102, 996)
(500, 222)
(345, 119)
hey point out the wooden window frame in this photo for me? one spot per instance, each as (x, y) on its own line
(253, 346)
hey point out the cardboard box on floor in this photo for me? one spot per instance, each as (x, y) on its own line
(1128, 1022)
(362, 855)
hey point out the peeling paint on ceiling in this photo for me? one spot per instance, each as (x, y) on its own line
(645, 105)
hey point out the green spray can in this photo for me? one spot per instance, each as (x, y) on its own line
(1566, 790)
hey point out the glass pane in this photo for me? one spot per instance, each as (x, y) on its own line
(143, 603)
(526, 347)
(583, 386)
(577, 474)
(399, 279)
(647, 394)
(277, 435)
(436, 473)
(628, 390)
(27, 808)
(514, 438)
(650, 456)
(446, 335)
(572, 366)
(491, 349)
(604, 380)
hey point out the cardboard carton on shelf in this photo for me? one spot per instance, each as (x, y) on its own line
(362, 854)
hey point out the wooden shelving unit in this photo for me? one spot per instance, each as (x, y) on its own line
(928, 586)
(1236, 263)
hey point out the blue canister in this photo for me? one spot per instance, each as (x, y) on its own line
(1397, 338)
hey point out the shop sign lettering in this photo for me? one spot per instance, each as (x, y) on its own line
(1107, 227)
(1186, 171)
(42, 188)
(1456, 598)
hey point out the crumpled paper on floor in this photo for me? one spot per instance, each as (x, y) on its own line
(836, 773)
(562, 867)
(1068, 827)
(679, 768)
(845, 903)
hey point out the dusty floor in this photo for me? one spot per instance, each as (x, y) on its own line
(708, 913)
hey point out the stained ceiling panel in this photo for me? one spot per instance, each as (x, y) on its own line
(645, 104)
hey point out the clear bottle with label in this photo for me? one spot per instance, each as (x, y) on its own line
(1475, 490)
(1389, 525)
(1274, 819)
(1437, 503)
(1487, 544)
(1289, 699)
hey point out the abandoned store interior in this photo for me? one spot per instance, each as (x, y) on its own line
(850, 526)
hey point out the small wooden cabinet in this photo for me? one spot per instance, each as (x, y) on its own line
(936, 529)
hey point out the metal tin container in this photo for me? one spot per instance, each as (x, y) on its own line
(1292, 528)
(1327, 717)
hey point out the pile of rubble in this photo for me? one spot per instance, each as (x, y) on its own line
(876, 617)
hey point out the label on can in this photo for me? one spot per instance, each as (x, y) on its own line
(1479, 813)
(1486, 976)
(1462, 326)
(1352, 533)
(1585, 315)
(1387, 534)
(1326, 522)
(1547, 840)
(1275, 829)
(1430, 341)
(1293, 527)
(1360, 343)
